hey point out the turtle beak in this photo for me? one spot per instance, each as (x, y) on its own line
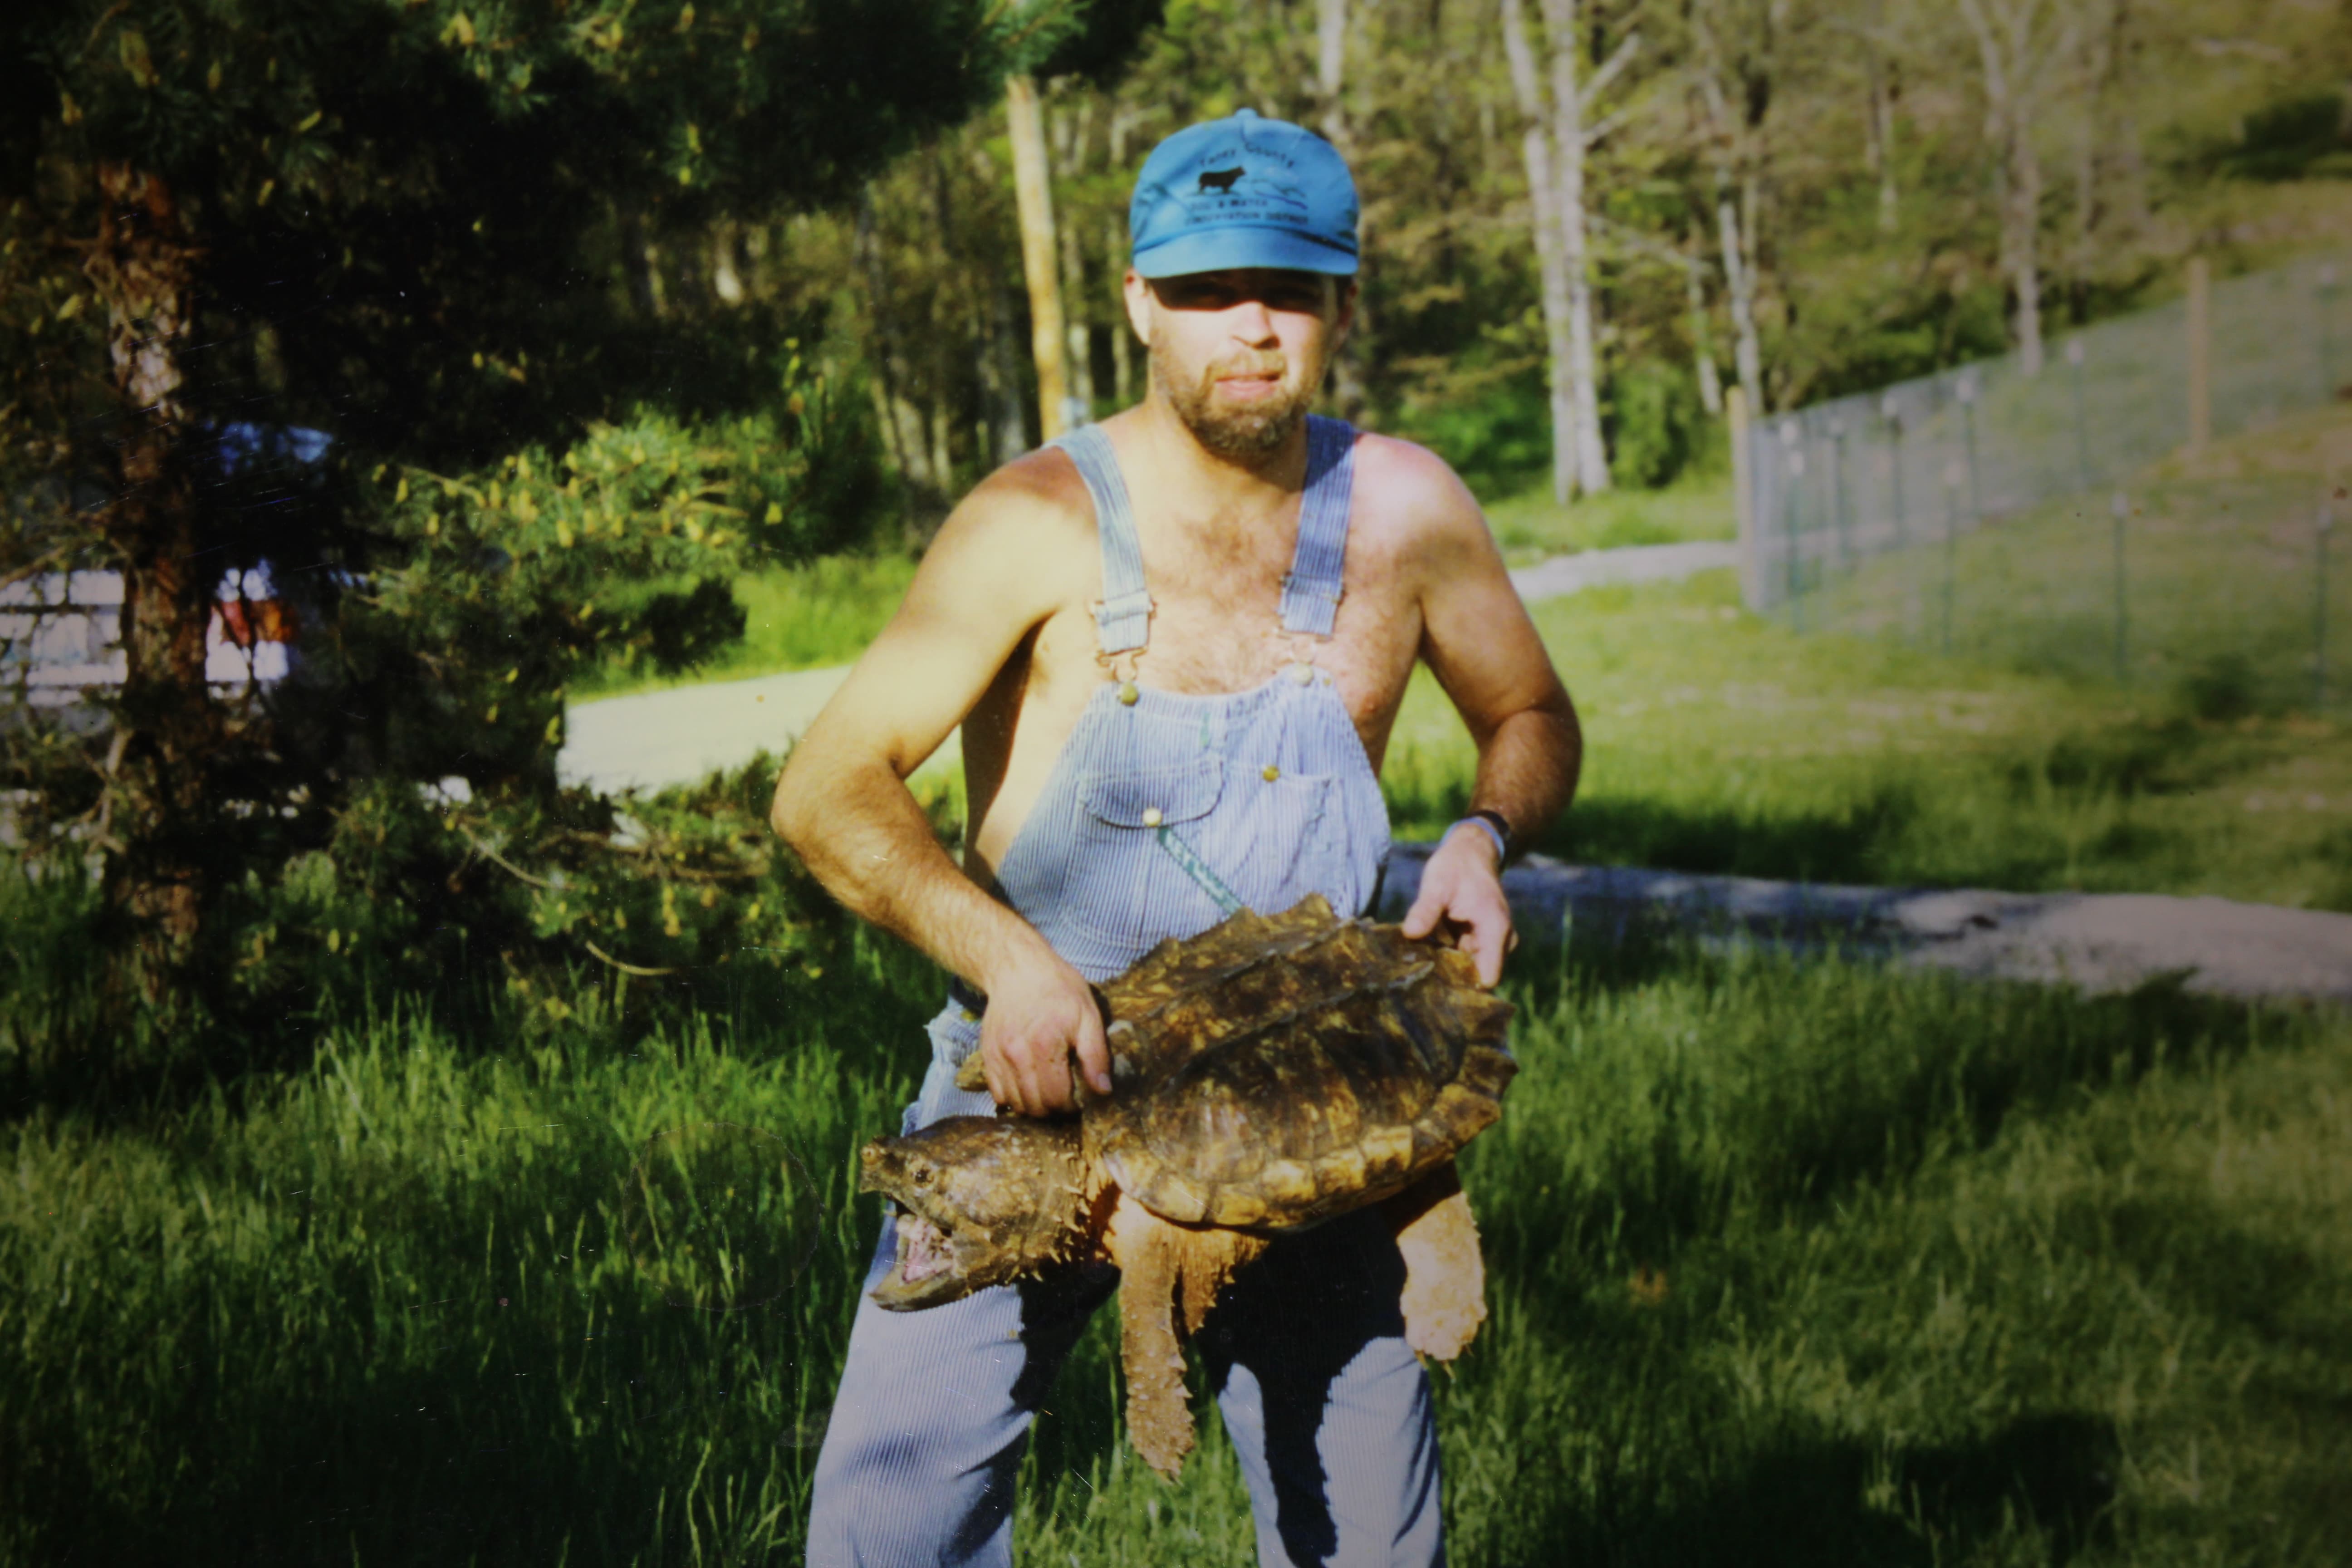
(926, 1273)
(931, 1267)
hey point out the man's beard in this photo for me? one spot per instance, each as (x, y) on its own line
(1238, 432)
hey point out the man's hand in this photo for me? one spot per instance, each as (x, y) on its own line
(1462, 901)
(1040, 1010)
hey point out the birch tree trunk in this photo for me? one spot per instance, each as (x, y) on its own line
(1040, 266)
(1880, 120)
(2021, 246)
(1738, 136)
(1710, 378)
(1535, 148)
(1573, 137)
(1739, 288)
(2020, 45)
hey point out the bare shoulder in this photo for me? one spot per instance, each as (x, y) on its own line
(1037, 500)
(1413, 508)
(1021, 541)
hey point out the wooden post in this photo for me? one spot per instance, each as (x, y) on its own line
(2200, 354)
(1743, 498)
(1040, 262)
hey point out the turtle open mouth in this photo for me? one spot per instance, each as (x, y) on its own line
(931, 1268)
(923, 1251)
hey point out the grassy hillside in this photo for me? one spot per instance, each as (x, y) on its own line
(1858, 751)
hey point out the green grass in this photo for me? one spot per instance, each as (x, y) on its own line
(1720, 741)
(796, 617)
(1531, 526)
(1814, 1264)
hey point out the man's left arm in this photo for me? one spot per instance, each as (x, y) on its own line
(1477, 640)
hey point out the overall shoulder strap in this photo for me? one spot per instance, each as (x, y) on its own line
(1310, 592)
(1123, 619)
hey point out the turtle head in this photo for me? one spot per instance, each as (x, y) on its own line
(981, 1200)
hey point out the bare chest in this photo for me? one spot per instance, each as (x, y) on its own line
(1216, 626)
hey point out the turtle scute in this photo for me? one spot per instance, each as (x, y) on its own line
(1283, 1069)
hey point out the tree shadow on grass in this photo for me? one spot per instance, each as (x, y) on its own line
(1852, 846)
(2039, 1489)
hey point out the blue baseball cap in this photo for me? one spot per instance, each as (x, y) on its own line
(1243, 192)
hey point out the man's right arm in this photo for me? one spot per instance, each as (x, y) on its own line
(842, 802)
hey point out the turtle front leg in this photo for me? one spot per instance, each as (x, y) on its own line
(1444, 1275)
(1158, 1420)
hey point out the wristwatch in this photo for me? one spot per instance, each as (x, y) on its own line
(1497, 826)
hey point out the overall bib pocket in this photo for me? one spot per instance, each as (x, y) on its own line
(1136, 888)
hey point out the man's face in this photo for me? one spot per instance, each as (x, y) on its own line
(1239, 353)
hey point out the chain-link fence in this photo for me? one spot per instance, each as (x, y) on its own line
(2152, 505)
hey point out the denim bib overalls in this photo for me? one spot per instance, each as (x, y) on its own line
(1163, 812)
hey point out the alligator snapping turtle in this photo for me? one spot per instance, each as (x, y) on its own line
(1266, 1074)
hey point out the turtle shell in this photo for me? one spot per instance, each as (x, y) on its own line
(1276, 1070)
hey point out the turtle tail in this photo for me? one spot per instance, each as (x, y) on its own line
(1159, 1419)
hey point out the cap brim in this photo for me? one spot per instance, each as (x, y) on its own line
(1215, 249)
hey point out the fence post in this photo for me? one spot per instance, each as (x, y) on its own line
(1967, 391)
(1743, 496)
(2120, 508)
(2200, 354)
(1891, 412)
(2075, 353)
(1951, 544)
(2323, 308)
(1841, 504)
(1792, 464)
(2319, 606)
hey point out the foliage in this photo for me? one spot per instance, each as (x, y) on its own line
(1499, 444)
(1876, 247)
(1656, 425)
(369, 294)
(816, 614)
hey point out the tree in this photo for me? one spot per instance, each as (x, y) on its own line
(1736, 79)
(437, 235)
(2023, 48)
(1555, 139)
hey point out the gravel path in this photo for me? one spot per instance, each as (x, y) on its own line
(2098, 941)
(656, 739)
(661, 738)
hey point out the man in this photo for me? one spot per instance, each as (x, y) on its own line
(1176, 644)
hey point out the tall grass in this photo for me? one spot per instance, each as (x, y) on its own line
(1820, 1263)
